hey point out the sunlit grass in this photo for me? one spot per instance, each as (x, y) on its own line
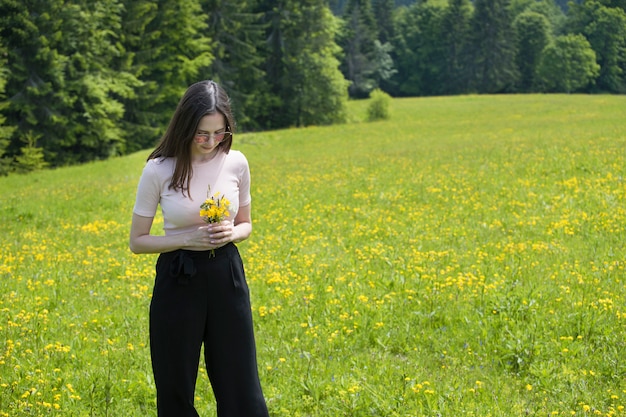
(464, 258)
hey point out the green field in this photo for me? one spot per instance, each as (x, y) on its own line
(466, 257)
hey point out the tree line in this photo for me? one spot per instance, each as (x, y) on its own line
(82, 80)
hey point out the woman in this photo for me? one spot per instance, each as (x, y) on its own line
(200, 293)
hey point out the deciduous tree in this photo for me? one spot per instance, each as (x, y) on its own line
(605, 29)
(568, 64)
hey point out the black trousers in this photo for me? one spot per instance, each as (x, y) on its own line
(202, 298)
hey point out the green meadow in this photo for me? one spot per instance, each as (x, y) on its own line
(466, 257)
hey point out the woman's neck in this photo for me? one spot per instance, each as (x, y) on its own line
(199, 159)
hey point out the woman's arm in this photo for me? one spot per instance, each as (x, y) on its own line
(243, 224)
(141, 241)
(207, 237)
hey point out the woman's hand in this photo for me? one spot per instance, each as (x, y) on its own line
(216, 235)
(211, 236)
(220, 233)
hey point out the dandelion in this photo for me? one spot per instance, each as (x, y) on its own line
(354, 389)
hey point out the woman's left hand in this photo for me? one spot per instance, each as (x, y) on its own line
(221, 233)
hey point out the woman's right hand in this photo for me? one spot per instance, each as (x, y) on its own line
(199, 239)
(141, 241)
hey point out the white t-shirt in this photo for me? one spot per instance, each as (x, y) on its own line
(227, 173)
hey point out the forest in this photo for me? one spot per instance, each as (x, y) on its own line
(84, 80)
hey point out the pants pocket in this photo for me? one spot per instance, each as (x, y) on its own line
(237, 273)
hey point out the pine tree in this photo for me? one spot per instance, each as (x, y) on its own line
(492, 47)
(532, 33)
(95, 86)
(306, 84)
(5, 130)
(420, 51)
(170, 49)
(238, 36)
(142, 121)
(31, 158)
(33, 75)
(383, 13)
(455, 33)
(358, 43)
(62, 89)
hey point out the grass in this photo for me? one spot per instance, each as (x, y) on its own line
(464, 258)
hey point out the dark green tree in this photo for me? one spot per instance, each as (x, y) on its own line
(532, 33)
(337, 6)
(302, 67)
(548, 8)
(383, 14)
(455, 35)
(238, 36)
(5, 130)
(168, 42)
(492, 47)
(567, 65)
(64, 96)
(142, 121)
(382, 58)
(358, 36)
(93, 83)
(621, 4)
(419, 51)
(605, 29)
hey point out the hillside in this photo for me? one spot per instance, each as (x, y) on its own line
(464, 258)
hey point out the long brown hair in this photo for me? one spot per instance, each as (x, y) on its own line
(200, 99)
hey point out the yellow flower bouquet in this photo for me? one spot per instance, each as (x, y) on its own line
(215, 209)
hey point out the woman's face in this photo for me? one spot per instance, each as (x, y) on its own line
(206, 139)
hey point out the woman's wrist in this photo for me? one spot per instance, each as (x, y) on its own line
(241, 232)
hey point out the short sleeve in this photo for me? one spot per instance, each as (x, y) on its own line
(148, 191)
(244, 183)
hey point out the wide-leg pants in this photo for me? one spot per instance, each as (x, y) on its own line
(202, 298)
